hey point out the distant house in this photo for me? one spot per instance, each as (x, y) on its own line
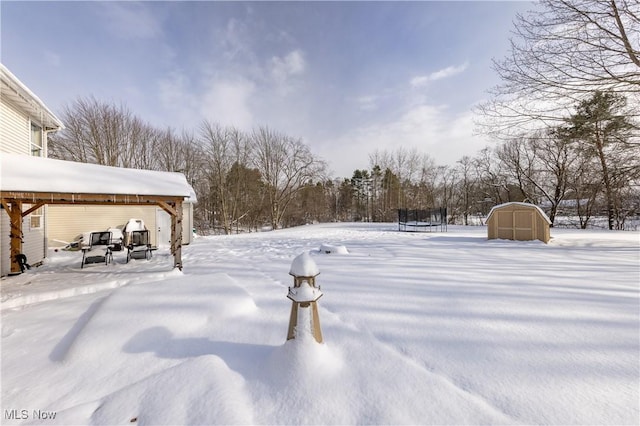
(25, 122)
(518, 221)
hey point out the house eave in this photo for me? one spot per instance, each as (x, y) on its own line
(15, 92)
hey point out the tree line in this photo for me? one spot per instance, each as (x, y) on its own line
(564, 120)
(242, 180)
(587, 166)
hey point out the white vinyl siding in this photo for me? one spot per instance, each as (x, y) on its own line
(33, 245)
(23, 132)
(66, 222)
(15, 130)
(5, 260)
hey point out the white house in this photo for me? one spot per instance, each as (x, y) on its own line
(25, 122)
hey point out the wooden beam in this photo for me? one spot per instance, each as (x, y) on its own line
(176, 236)
(33, 208)
(79, 198)
(15, 235)
(316, 330)
(168, 208)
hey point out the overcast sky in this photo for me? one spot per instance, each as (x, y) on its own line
(346, 77)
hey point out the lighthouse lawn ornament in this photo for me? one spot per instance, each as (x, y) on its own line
(304, 295)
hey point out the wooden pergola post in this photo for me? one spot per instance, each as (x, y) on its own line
(176, 235)
(15, 234)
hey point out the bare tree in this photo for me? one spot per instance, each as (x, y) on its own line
(286, 165)
(561, 53)
(446, 178)
(519, 166)
(493, 182)
(107, 134)
(467, 187)
(541, 165)
(102, 133)
(226, 154)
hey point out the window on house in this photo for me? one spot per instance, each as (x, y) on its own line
(35, 219)
(36, 140)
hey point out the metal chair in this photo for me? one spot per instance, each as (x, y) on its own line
(98, 250)
(138, 245)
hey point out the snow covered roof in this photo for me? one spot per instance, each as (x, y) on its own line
(19, 94)
(516, 203)
(24, 173)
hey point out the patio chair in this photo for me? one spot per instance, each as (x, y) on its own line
(98, 250)
(117, 239)
(138, 245)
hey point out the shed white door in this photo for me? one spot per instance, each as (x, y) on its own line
(163, 231)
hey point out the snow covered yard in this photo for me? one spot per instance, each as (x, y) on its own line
(419, 328)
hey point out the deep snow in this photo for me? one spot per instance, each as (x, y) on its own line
(419, 328)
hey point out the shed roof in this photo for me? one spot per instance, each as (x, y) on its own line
(37, 174)
(516, 203)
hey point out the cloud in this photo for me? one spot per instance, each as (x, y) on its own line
(227, 102)
(223, 100)
(431, 129)
(234, 40)
(173, 89)
(176, 96)
(130, 20)
(422, 80)
(367, 103)
(291, 64)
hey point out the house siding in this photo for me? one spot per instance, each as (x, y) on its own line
(5, 265)
(34, 245)
(15, 138)
(67, 222)
(14, 130)
(33, 241)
